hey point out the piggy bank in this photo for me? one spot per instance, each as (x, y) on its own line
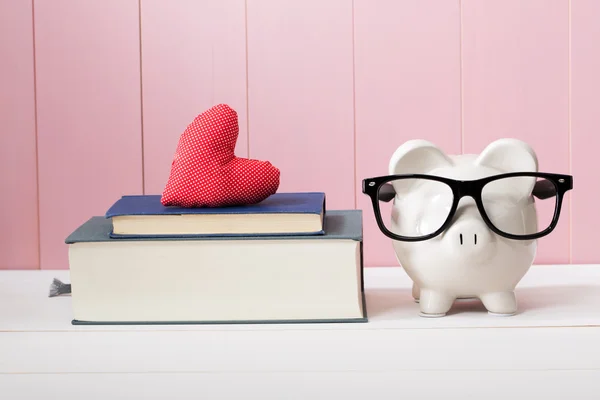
(467, 259)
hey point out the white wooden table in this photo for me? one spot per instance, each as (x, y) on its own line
(550, 350)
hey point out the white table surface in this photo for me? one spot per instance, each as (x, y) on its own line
(550, 350)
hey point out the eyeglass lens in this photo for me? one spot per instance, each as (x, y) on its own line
(420, 208)
(510, 206)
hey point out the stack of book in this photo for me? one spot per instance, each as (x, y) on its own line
(286, 259)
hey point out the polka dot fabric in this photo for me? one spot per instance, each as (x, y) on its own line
(205, 171)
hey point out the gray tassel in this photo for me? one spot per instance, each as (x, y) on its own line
(58, 288)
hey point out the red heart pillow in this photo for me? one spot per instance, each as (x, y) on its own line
(205, 171)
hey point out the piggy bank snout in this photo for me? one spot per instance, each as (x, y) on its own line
(469, 237)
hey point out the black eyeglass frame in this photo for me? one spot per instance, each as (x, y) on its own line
(559, 185)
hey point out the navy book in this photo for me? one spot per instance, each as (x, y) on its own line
(301, 213)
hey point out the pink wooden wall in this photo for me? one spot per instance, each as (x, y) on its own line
(94, 95)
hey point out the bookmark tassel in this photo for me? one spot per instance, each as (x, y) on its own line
(58, 288)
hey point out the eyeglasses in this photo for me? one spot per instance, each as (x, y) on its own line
(516, 205)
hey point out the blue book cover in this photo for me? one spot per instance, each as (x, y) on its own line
(280, 214)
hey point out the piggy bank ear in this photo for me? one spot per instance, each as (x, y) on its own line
(511, 155)
(416, 157)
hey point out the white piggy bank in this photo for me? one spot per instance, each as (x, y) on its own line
(467, 260)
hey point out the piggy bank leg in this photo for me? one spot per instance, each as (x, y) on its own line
(416, 292)
(501, 303)
(435, 303)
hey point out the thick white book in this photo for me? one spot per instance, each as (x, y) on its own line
(218, 279)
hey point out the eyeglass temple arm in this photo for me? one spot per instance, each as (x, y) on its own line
(543, 189)
(386, 192)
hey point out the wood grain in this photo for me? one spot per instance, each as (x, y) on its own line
(18, 167)
(585, 128)
(193, 57)
(300, 94)
(89, 120)
(515, 60)
(407, 61)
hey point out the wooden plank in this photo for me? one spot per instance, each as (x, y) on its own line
(193, 57)
(18, 169)
(89, 122)
(585, 125)
(300, 94)
(407, 87)
(276, 385)
(515, 84)
(558, 296)
(298, 350)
